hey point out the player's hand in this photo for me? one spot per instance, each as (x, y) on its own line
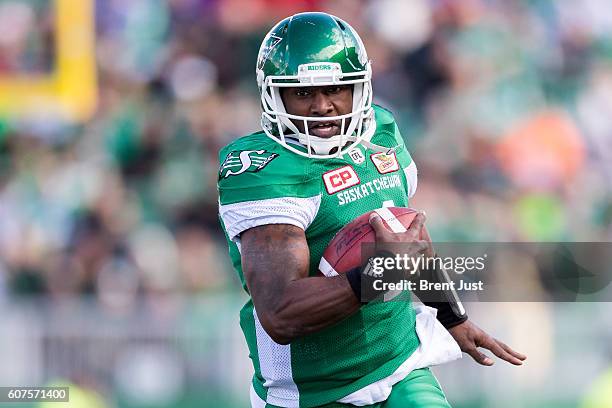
(470, 337)
(418, 243)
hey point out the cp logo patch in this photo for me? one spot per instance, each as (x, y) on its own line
(339, 179)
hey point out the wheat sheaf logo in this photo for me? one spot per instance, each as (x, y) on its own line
(242, 161)
(385, 162)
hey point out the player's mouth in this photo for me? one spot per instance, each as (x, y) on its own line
(325, 129)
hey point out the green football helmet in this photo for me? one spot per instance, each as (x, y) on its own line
(314, 49)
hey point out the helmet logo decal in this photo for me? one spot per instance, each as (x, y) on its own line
(238, 162)
(274, 40)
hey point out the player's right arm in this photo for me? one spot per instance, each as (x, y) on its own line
(267, 200)
(289, 304)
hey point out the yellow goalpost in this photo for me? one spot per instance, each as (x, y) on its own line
(69, 91)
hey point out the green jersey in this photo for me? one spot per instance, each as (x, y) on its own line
(261, 183)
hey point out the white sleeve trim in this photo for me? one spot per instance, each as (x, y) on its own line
(412, 179)
(296, 211)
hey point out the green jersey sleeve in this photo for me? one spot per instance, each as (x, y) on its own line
(261, 183)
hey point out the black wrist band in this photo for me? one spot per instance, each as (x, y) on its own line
(362, 278)
(354, 278)
(445, 314)
(450, 309)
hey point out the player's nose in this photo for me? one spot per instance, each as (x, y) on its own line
(321, 105)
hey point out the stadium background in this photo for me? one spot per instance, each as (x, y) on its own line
(114, 276)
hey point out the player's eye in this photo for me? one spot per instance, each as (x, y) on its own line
(302, 92)
(337, 89)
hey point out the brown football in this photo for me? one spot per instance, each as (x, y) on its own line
(343, 253)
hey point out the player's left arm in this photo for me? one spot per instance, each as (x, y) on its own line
(467, 334)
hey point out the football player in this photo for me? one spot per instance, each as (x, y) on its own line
(326, 155)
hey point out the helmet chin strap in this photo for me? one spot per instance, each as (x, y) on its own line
(379, 148)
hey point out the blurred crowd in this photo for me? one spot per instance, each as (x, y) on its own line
(26, 46)
(504, 106)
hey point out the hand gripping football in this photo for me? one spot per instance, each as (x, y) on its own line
(343, 253)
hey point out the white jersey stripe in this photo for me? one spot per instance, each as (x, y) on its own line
(276, 369)
(412, 178)
(241, 216)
